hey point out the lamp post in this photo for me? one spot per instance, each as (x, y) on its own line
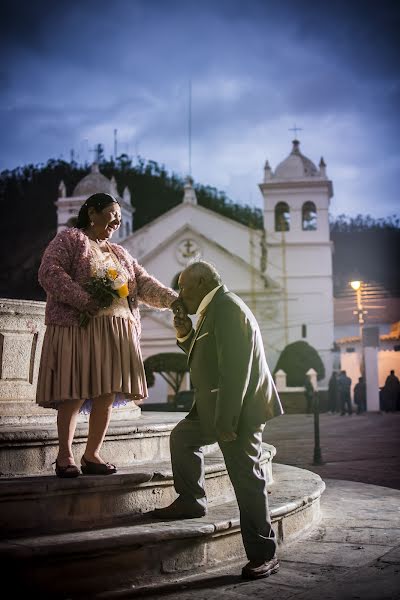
(360, 312)
(312, 374)
(369, 343)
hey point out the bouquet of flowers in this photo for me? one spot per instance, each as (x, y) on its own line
(104, 287)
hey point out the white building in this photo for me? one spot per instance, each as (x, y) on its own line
(68, 206)
(284, 273)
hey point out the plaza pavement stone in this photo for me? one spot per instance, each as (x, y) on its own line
(354, 552)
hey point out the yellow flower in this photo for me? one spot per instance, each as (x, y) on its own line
(123, 291)
(112, 273)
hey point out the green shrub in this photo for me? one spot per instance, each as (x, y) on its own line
(296, 359)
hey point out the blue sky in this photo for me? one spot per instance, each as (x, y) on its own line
(72, 72)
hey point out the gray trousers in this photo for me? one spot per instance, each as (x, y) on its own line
(242, 459)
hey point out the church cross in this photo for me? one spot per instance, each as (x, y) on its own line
(188, 246)
(295, 129)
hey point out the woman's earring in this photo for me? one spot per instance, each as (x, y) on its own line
(91, 223)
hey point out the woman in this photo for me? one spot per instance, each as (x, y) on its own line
(96, 366)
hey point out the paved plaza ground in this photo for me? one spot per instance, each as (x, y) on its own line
(354, 552)
(364, 448)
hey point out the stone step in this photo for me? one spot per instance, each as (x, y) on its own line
(130, 558)
(48, 504)
(31, 449)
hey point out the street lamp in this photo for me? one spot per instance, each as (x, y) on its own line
(369, 344)
(360, 312)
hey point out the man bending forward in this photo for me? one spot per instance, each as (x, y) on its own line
(233, 399)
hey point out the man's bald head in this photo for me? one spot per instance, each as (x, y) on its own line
(206, 271)
(195, 282)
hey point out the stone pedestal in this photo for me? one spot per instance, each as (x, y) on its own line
(372, 379)
(22, 330)
(28, 432)
(21, 337)
(370, 341)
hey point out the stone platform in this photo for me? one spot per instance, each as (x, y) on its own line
(136, 551)
(31, 449)
(46, 504)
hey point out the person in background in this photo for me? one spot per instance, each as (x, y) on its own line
(391, 392)
(344, 387)
(333, 394)
(360, 396)
(94, 367)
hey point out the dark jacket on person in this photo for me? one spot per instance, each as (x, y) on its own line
(232, 383)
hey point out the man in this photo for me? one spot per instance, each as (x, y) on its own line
(233, 399)
(344, 386)
(333, 393)
(391, 392)
(360, 396)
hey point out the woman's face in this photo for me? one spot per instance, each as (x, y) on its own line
(106, 222)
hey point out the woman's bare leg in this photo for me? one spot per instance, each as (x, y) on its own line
(99, 420)
(67, 417)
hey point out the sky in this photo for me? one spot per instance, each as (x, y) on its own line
(73, 72)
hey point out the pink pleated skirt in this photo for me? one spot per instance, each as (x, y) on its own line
(82, 363)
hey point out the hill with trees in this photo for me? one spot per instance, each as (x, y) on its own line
(369, 247)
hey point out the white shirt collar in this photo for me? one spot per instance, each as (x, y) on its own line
(207, 299)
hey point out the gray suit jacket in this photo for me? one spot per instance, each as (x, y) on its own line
(229, 372)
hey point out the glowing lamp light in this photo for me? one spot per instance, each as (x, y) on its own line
(355, 285)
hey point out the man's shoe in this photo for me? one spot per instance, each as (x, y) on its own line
(256, 569)
(179, 510)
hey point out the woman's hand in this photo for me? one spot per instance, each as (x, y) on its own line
(92, 308)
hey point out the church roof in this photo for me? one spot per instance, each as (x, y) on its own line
(296, 166)
(93, 183)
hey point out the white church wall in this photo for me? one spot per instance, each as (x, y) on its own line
(388, 359)
(158, 392)
(186, 221)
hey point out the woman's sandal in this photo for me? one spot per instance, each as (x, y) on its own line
(66, 472)
(91, 468)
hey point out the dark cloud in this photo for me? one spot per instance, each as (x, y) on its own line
(75, 71)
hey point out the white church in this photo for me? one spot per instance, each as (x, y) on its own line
(284, 272)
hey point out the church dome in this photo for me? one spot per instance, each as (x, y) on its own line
(93, 183)
(296, 165)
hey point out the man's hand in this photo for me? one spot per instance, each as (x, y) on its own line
(177, 307)
(182, 324)
(227, 436)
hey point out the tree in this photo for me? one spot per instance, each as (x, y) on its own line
(296, 359)
(31, 191)
(172, 367)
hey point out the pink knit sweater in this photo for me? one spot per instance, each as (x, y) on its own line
(65, 268)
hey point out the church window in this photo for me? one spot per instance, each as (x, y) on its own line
(304, 331)
(121, 231)
(309, 216)
(174, 283)
(127, 229)
(282, 217)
